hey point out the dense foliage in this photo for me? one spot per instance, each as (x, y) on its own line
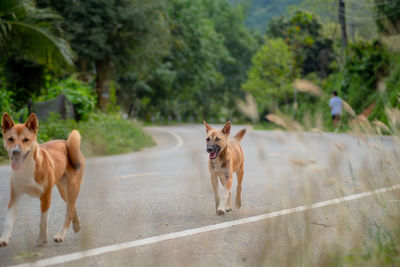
(80, 94)
(270, 77)
(32, 34)
(156, 59)
(303, 33)
(260, 12)
(388, 17)
(107, 35)
(181, 60)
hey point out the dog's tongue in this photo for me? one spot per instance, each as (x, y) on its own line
(213, 155)
(16, 163)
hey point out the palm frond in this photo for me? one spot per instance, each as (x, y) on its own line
(26, 30)
(38, 45)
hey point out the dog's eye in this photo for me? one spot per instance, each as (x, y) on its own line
(26, 140)
(208, 139)
(217, 139)
(11, 139)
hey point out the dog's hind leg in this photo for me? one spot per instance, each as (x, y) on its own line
(239, 174)
(45, 201)
(62, 188)
(72, 189)
(75, 221)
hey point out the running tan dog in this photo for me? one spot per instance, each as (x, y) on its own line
(37, 168)
(225, 157)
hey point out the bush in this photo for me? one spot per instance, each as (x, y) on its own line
(5, 99)
(390, 97)
(80, 94)
(270, 77)
(102, 134)
(109, 134)
(55, 128)
(365, 64)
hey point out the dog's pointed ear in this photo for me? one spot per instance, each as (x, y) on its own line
(227, 128)
(32, 123)
(208, 127)
(6, 123)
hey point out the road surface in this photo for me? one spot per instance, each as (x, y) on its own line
(156, 207)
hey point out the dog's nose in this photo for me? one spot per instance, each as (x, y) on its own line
(209, 149)
(16, 153)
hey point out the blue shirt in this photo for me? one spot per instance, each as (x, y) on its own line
(336, 105)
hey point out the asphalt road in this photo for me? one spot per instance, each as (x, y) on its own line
(166, 190)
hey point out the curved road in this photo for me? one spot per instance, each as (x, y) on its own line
(156, 207)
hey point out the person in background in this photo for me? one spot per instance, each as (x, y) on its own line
(336, 104)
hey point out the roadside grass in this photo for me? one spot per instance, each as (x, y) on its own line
(111, 134)
(346, 234)
(355, 235)
(102, 134)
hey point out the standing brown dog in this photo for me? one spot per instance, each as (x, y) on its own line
(225, 157)
(37, 168)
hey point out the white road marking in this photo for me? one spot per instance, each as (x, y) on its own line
(154, 174)
(138, 174)
(204, 229)
(179, 140)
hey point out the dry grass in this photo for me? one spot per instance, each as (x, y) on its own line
(248, 107)
(306, 86)
(358, 233)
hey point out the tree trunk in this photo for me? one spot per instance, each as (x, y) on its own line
(83, 69)
(103, 81)
(342, 22)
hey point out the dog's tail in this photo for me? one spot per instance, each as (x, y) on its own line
(240, 135)
(74, 151)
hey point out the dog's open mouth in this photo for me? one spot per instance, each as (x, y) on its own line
(17, 161)
(214, 154)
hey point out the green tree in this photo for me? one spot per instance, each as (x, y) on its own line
(260, 12)
(387, 16)
(108, 35)
(240, 42)
(270, 77)
(365, 64)
(303, 34)
(28, 31)
(30, 41)
(186, 83)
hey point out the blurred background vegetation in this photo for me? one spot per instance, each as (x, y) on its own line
(165, 61)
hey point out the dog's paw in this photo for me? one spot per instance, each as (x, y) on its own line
(217, 203)
(3, 243)
(58, 238)
(220, 212)
(41, 242)
(76, 227)
(228, 210)
(238, 204)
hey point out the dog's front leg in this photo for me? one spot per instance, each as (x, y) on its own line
(225, 204)
(214, 182)
(10, 218)
(45, 201)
